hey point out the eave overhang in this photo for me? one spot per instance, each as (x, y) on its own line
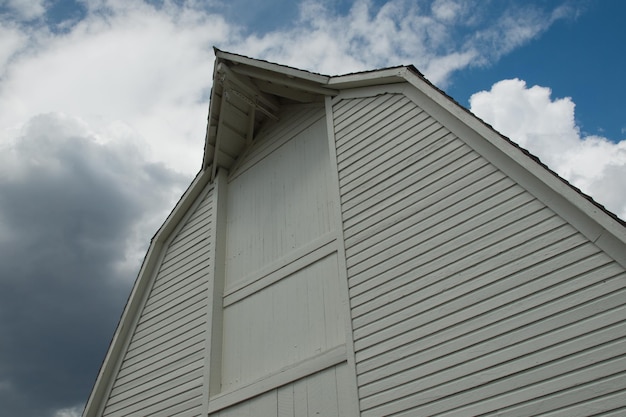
(247, 93)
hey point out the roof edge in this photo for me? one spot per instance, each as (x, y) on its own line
(389, 75)
(608, 222)
(270, 66)
(112, 360)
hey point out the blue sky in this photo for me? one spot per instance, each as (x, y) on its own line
(579, 58)
(103, 107)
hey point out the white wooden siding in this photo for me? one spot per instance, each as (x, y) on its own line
(283, 313)
(284, 180)
(294, 319)
(281, 284)
(162, 373)
(320, 394)
(468, 295)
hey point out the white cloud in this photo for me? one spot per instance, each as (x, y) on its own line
(26, 9)
(448, 10)
(133, 71)
(547, 128)
(514, 28)
(141, 68)
(439, 40)
(11, 41)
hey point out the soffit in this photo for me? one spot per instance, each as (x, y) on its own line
(246, 93)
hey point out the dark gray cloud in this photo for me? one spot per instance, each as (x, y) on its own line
(69, 208)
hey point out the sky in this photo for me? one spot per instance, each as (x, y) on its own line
(103, 108)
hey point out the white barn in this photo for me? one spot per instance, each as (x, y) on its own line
(363, 245)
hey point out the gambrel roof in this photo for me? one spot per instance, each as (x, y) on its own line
(248, 93)
(257, 88)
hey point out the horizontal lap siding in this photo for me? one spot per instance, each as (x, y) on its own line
(162, 372)
(468, 295)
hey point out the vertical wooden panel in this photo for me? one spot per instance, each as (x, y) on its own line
(322, 393)
(285, 323)
(300, 398)
(261, 406)
(214, 311)
(283, 303)
(283, 309)
(319, 394)
(285, 400)
(269, 202)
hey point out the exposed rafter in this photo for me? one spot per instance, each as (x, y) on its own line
(297, 84)
(245, 94)
(247, 91)
(280, 69)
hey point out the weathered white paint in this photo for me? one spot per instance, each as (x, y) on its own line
(287, 265)
(288, 374)
(267, 204)
(469, 296)
(162, 371)
(286, 322)
(283, 315)
(320, 394)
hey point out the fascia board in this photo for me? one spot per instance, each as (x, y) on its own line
(112, 360)
(598, 226)
(209, 148)
(180, 209)
(369, 78)
(281, 69)
(359, 79)
(279, 78)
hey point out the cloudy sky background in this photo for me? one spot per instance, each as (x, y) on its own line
(103, 107)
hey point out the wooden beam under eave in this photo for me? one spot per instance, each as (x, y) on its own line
(218, 138)
(287, 92)
(282, 69)
(223, 160)
(234, 117)
(245, 87)
(212, 131)
(250, 132)
(260, 74)
(232, 142)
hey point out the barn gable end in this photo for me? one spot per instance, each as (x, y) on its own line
(362, 245)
